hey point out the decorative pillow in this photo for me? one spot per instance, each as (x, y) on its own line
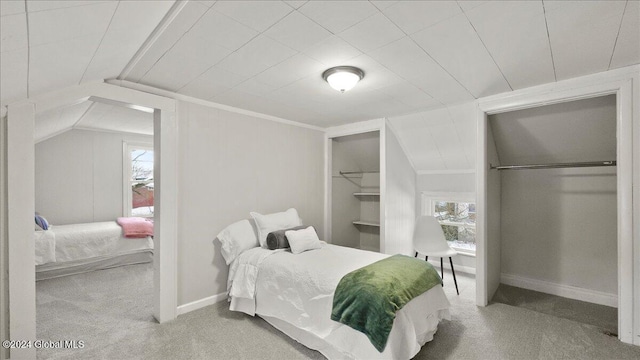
(276, 221)
(303, 240)
(42, 222)
(277, 239)
(237, 238)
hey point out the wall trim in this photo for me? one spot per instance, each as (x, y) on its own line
(446, 172)
(355, 128)
(457, 268)
(199, 304)
(567, 291)
(176, 96)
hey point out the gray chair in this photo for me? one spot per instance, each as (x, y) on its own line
(429, 240)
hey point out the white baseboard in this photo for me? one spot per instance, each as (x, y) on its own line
(571, 292)
(456, 268)
(199, 304)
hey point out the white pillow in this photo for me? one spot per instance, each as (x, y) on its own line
(273, 222)
(236, 238)
(303, 240)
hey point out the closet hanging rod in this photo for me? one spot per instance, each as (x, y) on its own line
(358, 172)
(556, 165)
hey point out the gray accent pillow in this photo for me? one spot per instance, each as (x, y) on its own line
(277, 239)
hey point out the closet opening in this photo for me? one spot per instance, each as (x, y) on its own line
(94, 165)
(552, 202)
(355, 190)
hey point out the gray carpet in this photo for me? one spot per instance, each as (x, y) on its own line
(110, 311)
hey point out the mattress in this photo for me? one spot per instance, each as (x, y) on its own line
(295, 294)
(87, 247)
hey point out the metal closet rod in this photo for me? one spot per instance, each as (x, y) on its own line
(556, 165)
(359, 172)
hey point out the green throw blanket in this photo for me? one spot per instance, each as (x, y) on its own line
(367, 299)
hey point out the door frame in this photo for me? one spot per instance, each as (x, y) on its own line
(21, 199)
(623, 83)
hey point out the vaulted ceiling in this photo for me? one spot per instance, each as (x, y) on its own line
(268, 56)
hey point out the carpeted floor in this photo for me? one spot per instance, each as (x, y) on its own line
(110, 311)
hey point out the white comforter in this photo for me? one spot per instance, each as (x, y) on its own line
(298, 289)
(66, 243)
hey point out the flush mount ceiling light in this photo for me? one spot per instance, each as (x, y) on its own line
(343, 78)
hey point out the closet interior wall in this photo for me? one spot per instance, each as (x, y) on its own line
(355, 195)
(558, 227)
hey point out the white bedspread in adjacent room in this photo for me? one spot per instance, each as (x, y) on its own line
(92, 240)
(45, 242)
(295, 293)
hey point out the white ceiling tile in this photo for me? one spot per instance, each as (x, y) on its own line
(61, 64)
(13, 75)
(259, 15)
(214, 81)
(68, 23)
(410, 95)
(13, 32)
(131, 25)
(337, 16)
(413, 16)
(219, 29)
(258, 55)
(56, 121)
(183, 63)
(409, 61)
(208, 3)
(116, 118)
(11, 7)
(456, 46)
(383, 4)
(189, 15)
(290, 70)
(372, 33)
(296, 4)
(332, 51)
(39, 5)
(471, 4)
(254, 87)
(627, 50)
(297, 32)
(376, 76)
(515, 34)
(583, 34)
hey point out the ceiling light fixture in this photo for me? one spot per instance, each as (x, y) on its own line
(343, 78)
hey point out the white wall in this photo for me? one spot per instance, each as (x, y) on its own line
(559, 226)
(493, 213)
(79, 177)
(230, 164)
(400, 197)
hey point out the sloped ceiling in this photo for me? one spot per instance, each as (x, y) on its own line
(268, 56)
(576, 131)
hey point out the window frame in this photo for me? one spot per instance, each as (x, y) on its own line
(127, 197)
(428, 204)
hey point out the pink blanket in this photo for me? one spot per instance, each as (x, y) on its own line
(136, 227)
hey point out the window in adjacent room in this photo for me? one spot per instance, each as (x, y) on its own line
(139, 180)
(457, 216)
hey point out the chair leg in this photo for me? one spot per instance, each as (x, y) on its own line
(426, 258)
(416, 254)
(454, 275)
(441, 272)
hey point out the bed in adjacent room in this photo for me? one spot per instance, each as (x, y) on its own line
(294, 291)
(77, 248)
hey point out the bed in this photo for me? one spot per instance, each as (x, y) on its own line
(294, 293)
(77, 248)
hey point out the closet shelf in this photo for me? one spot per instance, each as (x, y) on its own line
(457, 223)
(366, 223)
(366, 194)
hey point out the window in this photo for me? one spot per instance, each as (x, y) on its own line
(456, 213)
(139, 188)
